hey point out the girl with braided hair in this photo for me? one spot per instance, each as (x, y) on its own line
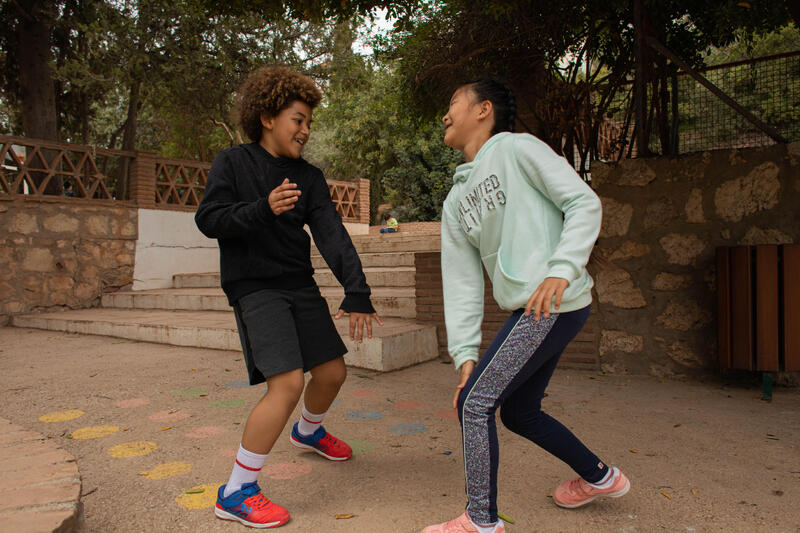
(521, 212)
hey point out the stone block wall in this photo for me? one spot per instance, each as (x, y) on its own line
(63, 254)
(662, 221)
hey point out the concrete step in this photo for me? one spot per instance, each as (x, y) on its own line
(394, 242)
(388, 302)
(398, 344)
(200, 280)
(385, 259)
(401, 276)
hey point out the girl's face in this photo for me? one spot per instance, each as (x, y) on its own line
(463, 119)
(287, 134)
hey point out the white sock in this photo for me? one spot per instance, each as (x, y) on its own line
(309, 422)
(486, 529)
(245, 470)
(607, 480)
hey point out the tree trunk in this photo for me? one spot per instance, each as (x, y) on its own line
(129, 138)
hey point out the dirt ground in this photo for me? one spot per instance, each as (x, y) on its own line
(701, 456)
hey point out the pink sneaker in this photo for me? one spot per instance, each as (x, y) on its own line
(577, 492)
(461, 524)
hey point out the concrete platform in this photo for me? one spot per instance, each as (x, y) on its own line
(400, 343)
(40, 487)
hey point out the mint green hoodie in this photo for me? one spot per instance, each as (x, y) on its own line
(505, 211)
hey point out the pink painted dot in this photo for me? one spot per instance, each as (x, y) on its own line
(448, 414)
(363, 393)
(172, 415)
(228, 452)
(133, 402)
(409, 405)
(286, 470)
(204, 432)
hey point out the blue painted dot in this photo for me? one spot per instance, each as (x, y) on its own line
(334, 402)
(242, 384)
(364, 416)
(407, 429)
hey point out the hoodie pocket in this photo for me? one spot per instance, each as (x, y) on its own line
(506, 288)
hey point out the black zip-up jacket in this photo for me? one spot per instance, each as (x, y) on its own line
(259, 250)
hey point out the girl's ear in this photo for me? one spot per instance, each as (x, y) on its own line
(486, 109)
(267, 121)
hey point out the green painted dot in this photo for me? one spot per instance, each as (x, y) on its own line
(192, 392)
(228, 404)
(360, 447)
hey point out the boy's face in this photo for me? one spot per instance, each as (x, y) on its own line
(287, 134)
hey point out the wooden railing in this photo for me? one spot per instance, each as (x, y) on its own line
(37, 169)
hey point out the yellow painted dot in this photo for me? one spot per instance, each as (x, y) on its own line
(199, 500)
(94, 432)
(167, 470)
(132, 449)
(61, 416)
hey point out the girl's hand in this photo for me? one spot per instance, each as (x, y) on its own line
(541, 298)
(357, 322)
(283, 197)
(466, 372)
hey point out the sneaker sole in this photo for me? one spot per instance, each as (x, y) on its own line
(622, 492)
(311, 448)
(225, 515)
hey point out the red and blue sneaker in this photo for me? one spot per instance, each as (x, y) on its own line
(322, 443)
(250, 507)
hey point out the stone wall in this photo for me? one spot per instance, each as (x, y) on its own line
(662, 221)
(62, 254)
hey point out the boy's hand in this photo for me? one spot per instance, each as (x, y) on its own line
(466, 371)
(357, 322)
(542, 297)
(283, 197)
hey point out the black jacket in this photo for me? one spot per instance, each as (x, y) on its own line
(259, 250)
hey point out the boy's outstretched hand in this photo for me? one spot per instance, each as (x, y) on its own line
(357, 323)
(283, 197)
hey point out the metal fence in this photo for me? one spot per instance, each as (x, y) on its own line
(768, 87)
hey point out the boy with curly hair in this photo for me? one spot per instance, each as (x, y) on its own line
(258, 198)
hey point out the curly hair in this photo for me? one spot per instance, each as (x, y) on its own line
(269, 90)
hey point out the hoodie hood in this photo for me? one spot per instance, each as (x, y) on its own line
(463, 170)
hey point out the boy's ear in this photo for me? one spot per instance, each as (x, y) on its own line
(267, 121)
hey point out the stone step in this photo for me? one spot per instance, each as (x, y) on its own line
(394, 242)
(401, 276)
(398, 344)
(388, 302)
(198, 280)
(385, 259)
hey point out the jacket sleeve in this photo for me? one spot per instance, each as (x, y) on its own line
(336, 247)
(555, 178)
(462, 284)
(221, 215)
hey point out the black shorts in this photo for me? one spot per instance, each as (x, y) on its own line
(283, 330)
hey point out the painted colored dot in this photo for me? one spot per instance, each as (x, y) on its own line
(167, 470)
(192, 392)
(241, 384)
(133, 402)
(94, 432)
(172, 415)
(62, 416)
(204, 432)
(407, 429)
(228, 404)
(447, 414)
(364, 416)
(363, 393)
(409, 405)
(199, 496)
(360, 447)
(288, 470)
(132, 449)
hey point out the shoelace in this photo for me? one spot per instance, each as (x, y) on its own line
(576, 486)
(330, 439)
(259, 502)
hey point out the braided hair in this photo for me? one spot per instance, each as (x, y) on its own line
(502, 98)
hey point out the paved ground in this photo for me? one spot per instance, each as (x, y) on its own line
(159, 421)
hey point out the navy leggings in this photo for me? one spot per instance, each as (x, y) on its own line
(513, 374)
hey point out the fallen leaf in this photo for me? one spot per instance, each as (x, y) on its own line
(777, 492)
(166, 428)
(550, 495)
(92, 375)
(650, 454)
(237, 423)
(667, 496)
(633, 450)
(505, 518)
(201, 395)
(118, 342)
(695, 492)
(344, 516)
(772, 437)
(195, 491)
(676, 426)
